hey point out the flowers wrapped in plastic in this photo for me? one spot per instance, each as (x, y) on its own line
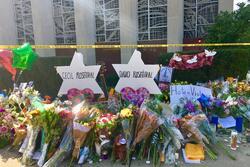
(126, 117)
(147, 123)
(53, 126)
(80, 133)
(20, 134)
(64, 148)
(28, 146)
(6, 127)
(83, 123)
(113, 101)
(105, 124)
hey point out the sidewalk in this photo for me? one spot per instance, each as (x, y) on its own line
(10, 159)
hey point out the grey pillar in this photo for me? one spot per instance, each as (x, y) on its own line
(128, 27)
(175, 23)
(85, 28)
(226, 5)
(43, 26)
(8, 32)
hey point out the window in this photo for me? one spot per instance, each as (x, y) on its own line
(198, 16)
(152, 20)
(107, 21)
(24, 22)
(64, 20)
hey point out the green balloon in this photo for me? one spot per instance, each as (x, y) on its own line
(24, 57)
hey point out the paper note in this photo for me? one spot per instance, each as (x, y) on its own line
(227, 122)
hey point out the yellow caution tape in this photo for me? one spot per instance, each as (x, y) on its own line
(124, 46)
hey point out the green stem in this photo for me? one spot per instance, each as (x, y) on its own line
(226, 151)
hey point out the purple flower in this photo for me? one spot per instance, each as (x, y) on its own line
(2, 110)
(218, 103)
(163, 86)
(189, 106)
(12, 131)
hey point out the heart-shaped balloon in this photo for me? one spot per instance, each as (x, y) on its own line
(136, 97)
(85, 93)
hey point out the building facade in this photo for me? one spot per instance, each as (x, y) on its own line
(236, 7)
(71, 22)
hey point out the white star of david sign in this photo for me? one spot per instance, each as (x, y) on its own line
(79, 76)
(136, 74)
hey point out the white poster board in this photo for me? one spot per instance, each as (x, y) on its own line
(79, 76)
(136, 74)
(187, 91)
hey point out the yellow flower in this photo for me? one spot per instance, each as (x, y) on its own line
(126, 113)
(34, 112)
(86, 124)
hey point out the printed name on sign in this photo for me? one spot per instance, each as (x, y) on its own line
(77, 75)
(136, 74)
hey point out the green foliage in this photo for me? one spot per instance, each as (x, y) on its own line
(228, 62)
(231, 27)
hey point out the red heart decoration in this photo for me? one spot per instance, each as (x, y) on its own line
(74, 92)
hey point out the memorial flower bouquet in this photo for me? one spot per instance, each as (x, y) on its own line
(196, 129)
(187, 107)
(52, 124)
(147, 123)
(127, 119)
(166, 140)
(82, 125)
(6, 127)
(105, 125)
(20, 134)
(64, 149)
(32, 119)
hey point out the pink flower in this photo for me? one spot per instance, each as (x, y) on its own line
(3, 129)
(8, 118)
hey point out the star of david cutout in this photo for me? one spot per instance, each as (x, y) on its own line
(78, 76)
(136, 74)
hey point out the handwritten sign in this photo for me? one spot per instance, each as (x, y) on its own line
(79, 76)
(165, 74)
(136, 74)
(187, 91)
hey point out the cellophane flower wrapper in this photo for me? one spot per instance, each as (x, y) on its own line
(113, 103)
(33, 119)
(29, 150)
(105, 125)
(63, 150)
(26, 140)
(20, 134)
(127, 125)
(147, 123)
(53, 126)
(190, 128)
(80, 133)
